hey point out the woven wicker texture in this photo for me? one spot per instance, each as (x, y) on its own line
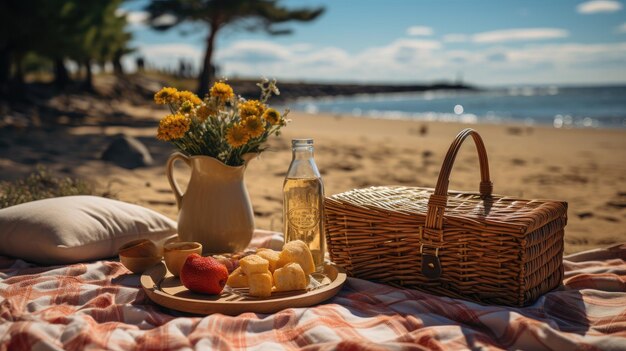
(491, 248)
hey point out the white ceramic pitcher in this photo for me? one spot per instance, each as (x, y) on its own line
(215, 210)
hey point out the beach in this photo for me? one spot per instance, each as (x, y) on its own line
(585, 167)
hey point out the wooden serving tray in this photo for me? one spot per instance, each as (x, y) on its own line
(166, 290)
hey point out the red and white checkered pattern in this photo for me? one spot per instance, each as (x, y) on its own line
(100, 306)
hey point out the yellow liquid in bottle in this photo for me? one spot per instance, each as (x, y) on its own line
(303, 215)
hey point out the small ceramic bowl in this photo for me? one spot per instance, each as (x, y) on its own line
(138, 265)
(139, 255)
(176, 253)
(139, 248)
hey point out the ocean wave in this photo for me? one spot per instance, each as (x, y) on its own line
(558, 121)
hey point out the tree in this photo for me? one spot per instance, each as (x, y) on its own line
(16, 18)
(85, 31)
(101, 36)
(253, 15)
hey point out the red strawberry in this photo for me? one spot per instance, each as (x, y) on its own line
(203, 274)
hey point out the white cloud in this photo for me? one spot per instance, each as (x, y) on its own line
(301, 47)
(388, 62)
(408, 60)
(257, 50)
(164, 20)
(621, 28)
(569, 63)
(140, 18)
(418, 45)
(455, 38)
(255, 58)
(540, 63)
(134, 18)
(598, 6)
(569, 53)
(137, 17)
(400, 54)
(420, 31)
(326, 56)
(505, 35)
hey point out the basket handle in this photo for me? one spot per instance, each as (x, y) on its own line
(438, 200)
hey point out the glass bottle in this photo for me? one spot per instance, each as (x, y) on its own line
(303, 201)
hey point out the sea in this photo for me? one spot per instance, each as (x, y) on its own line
(560, 107)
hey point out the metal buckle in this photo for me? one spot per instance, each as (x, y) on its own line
(431, 265)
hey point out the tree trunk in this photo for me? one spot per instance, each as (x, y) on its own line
(207, 68)
(80, 70)
(88, 75)
(5, 70)
(118, 69)
(61, 76)
(18, 74)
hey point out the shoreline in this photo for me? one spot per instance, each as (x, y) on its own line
(478, 122)
(561, 108)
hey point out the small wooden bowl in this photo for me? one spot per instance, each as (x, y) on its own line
(176, 253)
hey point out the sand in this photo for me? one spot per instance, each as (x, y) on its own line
(586, 168)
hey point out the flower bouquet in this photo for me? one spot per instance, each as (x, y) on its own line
(216, 137)
(222, 125)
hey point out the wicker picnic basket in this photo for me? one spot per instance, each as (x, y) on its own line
(486, 248)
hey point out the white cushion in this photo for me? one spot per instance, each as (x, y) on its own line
(76, 228)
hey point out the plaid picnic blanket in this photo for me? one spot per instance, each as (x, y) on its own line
(99, 305)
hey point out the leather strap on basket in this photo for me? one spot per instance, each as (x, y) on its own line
(433, 231)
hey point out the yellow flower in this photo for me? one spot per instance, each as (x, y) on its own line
(166, 95)
(205, 112)
(173, 127)
(251, 108)
(272, 116)
(222, 91)
(237, 135)
(254, 126)
(185, 95)
(185, 107)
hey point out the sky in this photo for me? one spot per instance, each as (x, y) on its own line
(486, 43)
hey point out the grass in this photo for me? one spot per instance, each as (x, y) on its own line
(41, 184)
